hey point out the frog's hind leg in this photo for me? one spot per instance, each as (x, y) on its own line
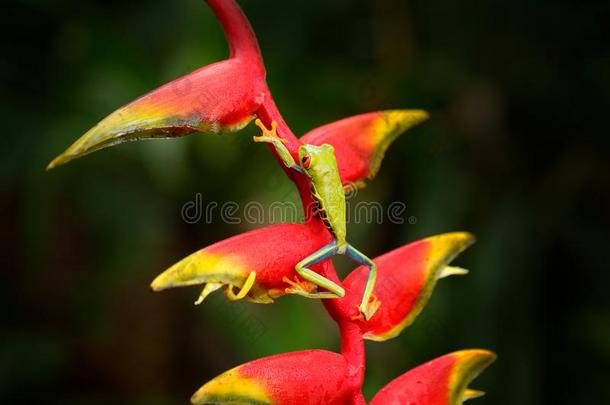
(334, 291)
(367, 307)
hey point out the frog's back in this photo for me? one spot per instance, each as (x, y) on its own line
(327, 190)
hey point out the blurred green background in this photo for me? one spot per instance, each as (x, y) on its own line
(511, 153)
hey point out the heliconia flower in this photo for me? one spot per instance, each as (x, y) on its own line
(361, 141)
(257, 263)
(406, 278)
(312, 377)
(221, 97)
(442, 381)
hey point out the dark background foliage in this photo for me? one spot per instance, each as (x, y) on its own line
(511, 153)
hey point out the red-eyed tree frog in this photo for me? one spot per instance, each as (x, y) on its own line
(319, 164)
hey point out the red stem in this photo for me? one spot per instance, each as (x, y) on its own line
(268, 112)
(237, 28)
(352, 348)
(352, 344)
(243, 45)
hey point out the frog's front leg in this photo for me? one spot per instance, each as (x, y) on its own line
(334, 291)
(369, 304)
(279, 143)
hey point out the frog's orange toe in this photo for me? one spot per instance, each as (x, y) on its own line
(298, 286)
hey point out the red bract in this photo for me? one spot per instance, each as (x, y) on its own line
(405, 280)
(306, 377)
(259, 266)
(361, 142)
(222, 97)
(442, 381)
(230, 262)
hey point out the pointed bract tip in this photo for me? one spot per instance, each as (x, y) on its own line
(450, 244)
(449, 271)
(407, 118)
(54, 163)
(472, 394)
(231, 388)
(199, 268)
(469, 364)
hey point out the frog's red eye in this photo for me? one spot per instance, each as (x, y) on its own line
(306, 161)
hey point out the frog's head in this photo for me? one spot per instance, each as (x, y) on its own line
(317, 160)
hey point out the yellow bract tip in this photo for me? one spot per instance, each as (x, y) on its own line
(229, 387)
(56, 162)
(386, 128)
(469, 364)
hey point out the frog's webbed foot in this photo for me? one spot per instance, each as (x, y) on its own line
(268, 135)
(305, 289)
(367, 310)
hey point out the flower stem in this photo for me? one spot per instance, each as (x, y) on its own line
(352, 348)
(238, 30)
